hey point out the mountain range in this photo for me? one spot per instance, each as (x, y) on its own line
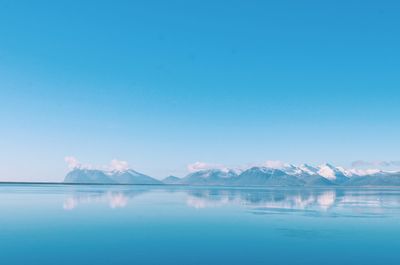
(288, 175)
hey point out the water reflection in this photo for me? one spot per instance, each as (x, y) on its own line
(329, 202)
(114, 198)
(366, 202)
(279, 199)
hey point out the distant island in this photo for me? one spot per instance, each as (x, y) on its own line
(289, 175)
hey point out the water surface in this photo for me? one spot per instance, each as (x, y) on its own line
(99, 224)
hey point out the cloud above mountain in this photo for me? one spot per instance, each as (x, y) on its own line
(72, 162)
(199, 166)
(115, 164)
(119, 165)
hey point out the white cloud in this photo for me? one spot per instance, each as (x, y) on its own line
(118, 165)
(198, 166)
(72, 162)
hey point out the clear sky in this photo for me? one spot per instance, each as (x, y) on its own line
(162, 84)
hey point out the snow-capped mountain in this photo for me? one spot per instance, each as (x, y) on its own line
(260, 176)
(335, 174)
(95, 176)
(210, 177)
(285, 175)
(291, 175)
(131, 176)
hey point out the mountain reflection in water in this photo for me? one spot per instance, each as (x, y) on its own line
(363, 201)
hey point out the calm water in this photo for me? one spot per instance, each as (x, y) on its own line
(53, 224)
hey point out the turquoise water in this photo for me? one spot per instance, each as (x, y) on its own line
(57, 224)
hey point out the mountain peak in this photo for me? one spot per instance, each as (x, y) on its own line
(326, 164)
(97, 176)
(172, 180)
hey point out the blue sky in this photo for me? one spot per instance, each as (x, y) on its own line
(162, 84)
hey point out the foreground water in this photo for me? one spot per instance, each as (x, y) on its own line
(94, 225)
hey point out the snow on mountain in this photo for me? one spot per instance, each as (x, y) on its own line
(261, 176)
(332, 173)
(307, 174)
(131, 176)
(210, 177)
(310, 170)
(327, 171)
(291, 169)
(282, 174)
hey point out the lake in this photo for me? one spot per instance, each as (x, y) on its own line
(101, 224)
